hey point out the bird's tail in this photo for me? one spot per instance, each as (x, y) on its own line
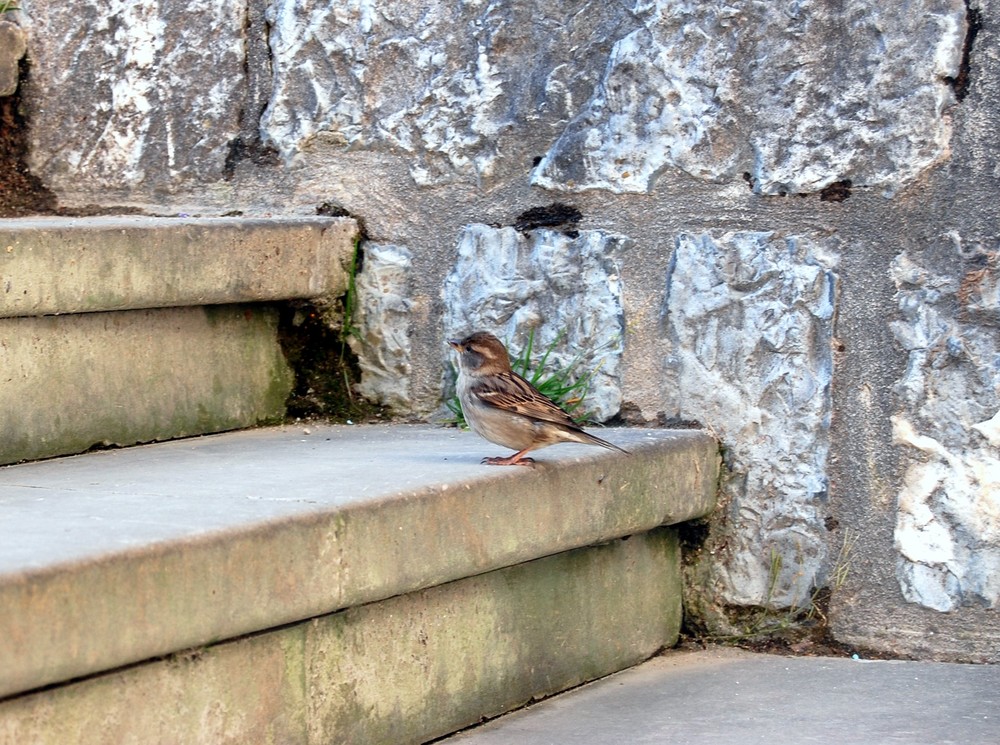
(588, 438)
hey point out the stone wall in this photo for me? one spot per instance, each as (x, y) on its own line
(788, 232)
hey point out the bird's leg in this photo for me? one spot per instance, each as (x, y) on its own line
(517, 459)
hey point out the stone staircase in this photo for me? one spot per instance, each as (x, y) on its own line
(284, 584)
(121, 330)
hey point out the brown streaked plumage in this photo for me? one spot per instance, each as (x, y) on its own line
(504, 408)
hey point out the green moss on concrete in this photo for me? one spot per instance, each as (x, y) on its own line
(403, 670)
(424, 664)
(79, 381)
(108, 264)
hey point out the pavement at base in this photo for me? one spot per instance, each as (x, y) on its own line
(724, 695)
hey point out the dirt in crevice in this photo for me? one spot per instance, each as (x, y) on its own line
(802, 633)
(974, 24)
(21, 192)
(557, 215)
(838, 191)
(325, 369)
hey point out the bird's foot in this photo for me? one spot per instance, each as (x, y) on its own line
(511, 461)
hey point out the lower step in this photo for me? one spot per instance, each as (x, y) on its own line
(404, 670)
(331, 583)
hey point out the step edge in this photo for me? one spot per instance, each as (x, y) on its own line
(303, 588)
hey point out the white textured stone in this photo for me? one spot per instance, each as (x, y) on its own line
(134, 92)
(508, 283)
(948, 510)
(440, 81)
(990, 429)
(749, 319)
(382, 318)
(798, 95)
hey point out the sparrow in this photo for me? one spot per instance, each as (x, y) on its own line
(504, 408)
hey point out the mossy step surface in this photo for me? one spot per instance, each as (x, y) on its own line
(123, 330)
(403, 670)
(116, 557)
(72, 382)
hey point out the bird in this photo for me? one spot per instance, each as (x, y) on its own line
(504, 408)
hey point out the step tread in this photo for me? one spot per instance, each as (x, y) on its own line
(58, 265)
(118, 556)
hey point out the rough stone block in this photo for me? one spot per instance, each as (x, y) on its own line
(749, 321)
(797, 98)
(443, 82)
(382, 317)
(135, 93)
(948, 515)
(717, 90)
(59, 265)
(405, 670)
(12, 48)
(71, 382)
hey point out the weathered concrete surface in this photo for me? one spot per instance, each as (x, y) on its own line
(722, 695)
(748, 318)
(71, 382)
(65, 265)
(523, 632)
(567, 289)
(405, 670)
(117, 557)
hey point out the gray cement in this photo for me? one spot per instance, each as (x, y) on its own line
(56, 266)
(116, 557)
(401, 671)
(120, 330)
(74, 381)
(730, 696)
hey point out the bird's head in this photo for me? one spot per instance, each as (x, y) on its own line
(481, 353)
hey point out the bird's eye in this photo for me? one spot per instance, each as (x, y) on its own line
(468, 347)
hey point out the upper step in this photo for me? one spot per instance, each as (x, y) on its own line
(120, 330)
(121, 556)
(56, 265)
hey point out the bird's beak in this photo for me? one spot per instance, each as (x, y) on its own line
(455, 343)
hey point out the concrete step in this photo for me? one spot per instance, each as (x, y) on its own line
(121, 330)
(723, 695)
(60, 265)
(349, 584)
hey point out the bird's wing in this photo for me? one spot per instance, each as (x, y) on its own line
(508, 391)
